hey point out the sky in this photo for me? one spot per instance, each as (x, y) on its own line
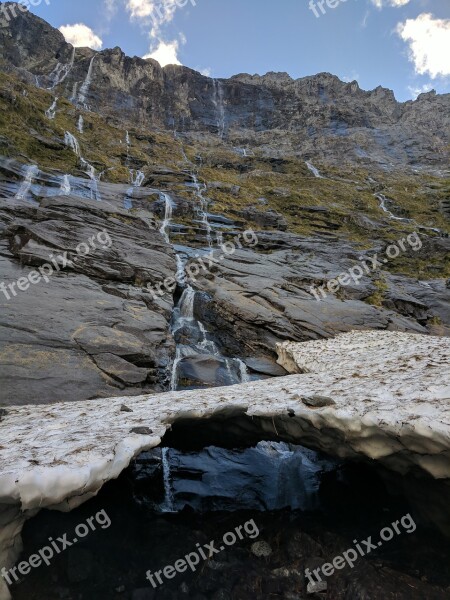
(403, 45)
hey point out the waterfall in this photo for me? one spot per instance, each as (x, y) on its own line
(73, 97)
(168, 495)
(181, 275)
(80, 124)
(167, 216)
(382, 199)
(51, 111)
(174, 374)
(207, 345)
(30, 174)
(60, 72)
(219, 238)
(137, 178)
(313, 170)
(90, 171)
(84, 89)
(71, 141)
(65, 188)
(220, 108)
(127, 139)
(186, 305)
(202, 211)
(243, 371)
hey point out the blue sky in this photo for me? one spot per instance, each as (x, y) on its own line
(400, 44)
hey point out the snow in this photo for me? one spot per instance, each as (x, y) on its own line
(390, 402)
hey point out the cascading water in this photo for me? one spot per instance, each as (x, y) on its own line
(71, 141)
(80, 124)
(218, 101)
(203, 209)
(84, 89)
(168, 495)
(51, 111)
(313, 170)
(73, 97)
(382, 200)
(243, 371)
(169, 205)
(65, 188)
(30, 174)
(136, 180)
(61, 71)
(180, 275)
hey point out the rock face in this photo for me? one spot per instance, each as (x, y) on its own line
(390, 396)
(87, 330)
(313, 116)
(254, 300)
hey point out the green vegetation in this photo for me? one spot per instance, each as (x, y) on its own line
(342, 203)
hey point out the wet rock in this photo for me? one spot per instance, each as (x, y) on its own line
(142, 430)
(317, 587)
(265, 365)
(261, 549)
(203, 370)
(317, 401)
(255, 300)
(87, 335)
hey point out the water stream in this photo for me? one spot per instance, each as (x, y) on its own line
(313, 170)
(72, 142)
(31, 173)
(84, 89)
(65, 188)
(218, 101)
(51, 110)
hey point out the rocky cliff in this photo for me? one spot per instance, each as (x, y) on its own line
(313, 117)
(171, 165)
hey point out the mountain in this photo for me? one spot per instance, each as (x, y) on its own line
(312, 117)
(327, 182)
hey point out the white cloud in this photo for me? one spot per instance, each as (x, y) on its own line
(416, 91)
(353, 76)
(207, 72)
(166, 53)
(429, 44)
(395, 3)
(157, 12)
(80, 36)
(110, 8)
